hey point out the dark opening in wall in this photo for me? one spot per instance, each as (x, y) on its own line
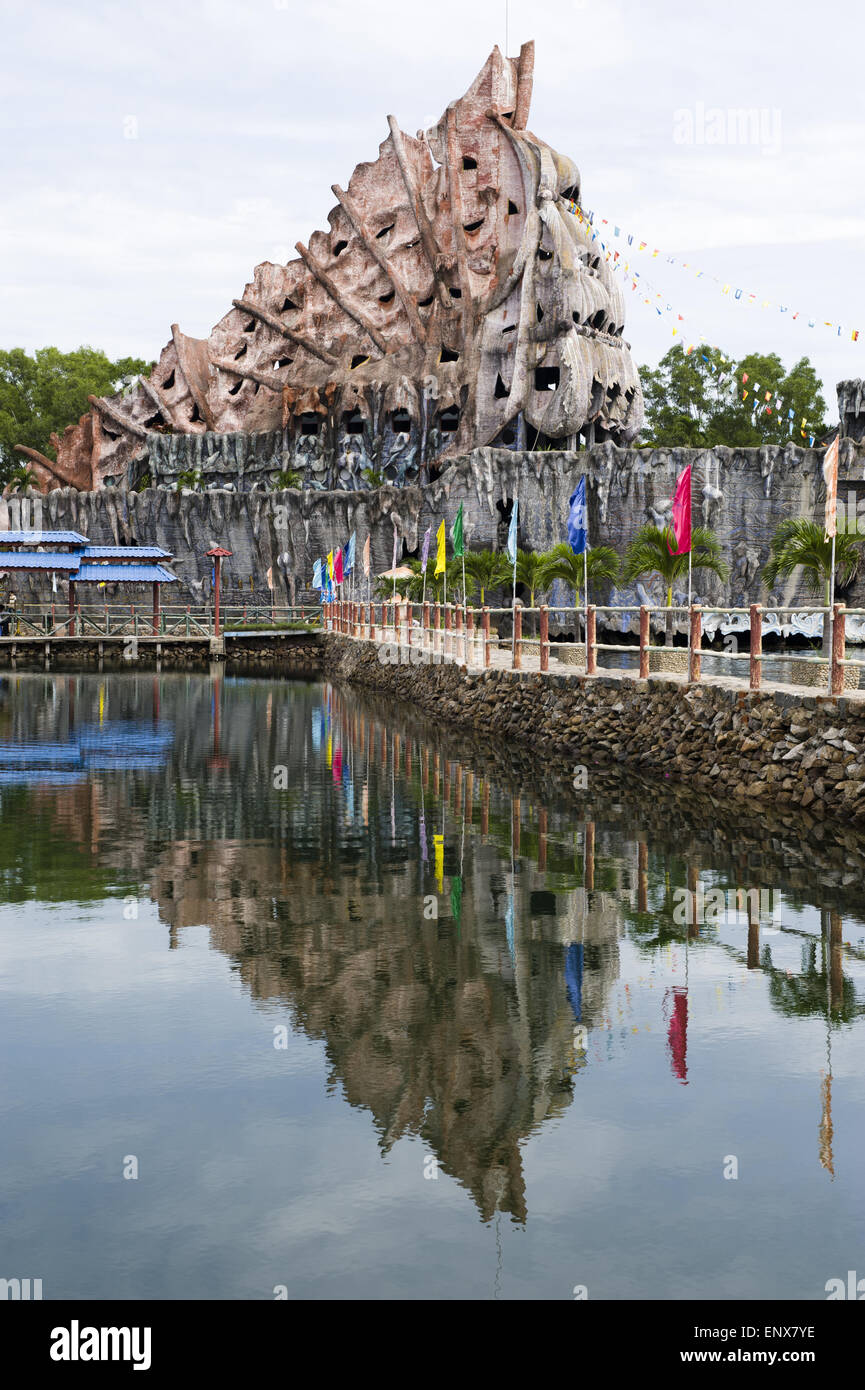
(455, 292)
(507, 115)
(109, 434)
(233, 390)
(401, 422)
(540, 313)
(358, 360)
(598, 319)
(546, 378)
(256, 388)
(572, 193)
(512, 207)
(509, 436)
(339, 248)
(352, 422)
(169, 381)
(310, 423)
(425, 303)
(576, 316)
(448, 355)
(511, 328)
(384, 231)
(386, 298)
(287, 304)
(282, 362)
(469, 162)
(501, 391)
(152, 422)
(544, 254)
(241, 352)
(195, 417)
(449, 420)
(473, 226)
(251, 326)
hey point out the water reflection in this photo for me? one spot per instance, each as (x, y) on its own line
(466, 935)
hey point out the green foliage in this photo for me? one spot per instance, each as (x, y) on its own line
(649, 553)
(485, 570)
(188, 477)
(802, 544)
(21, 478)
(43, 394)
(288, 477)
(601, 562)
(531, 569)
(687, 402)
(374, 477)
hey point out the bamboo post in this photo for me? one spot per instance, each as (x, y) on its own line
(756, 666)
(644, 643)
(591, 644)
(485, 621)
(695, 643)
(545, 637)
(839, 612)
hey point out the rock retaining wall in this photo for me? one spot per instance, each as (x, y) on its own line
(767, 747)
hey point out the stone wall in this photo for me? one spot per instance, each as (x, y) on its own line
(762, 748)
(743, 495)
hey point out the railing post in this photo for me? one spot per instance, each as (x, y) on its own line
(756, 666)
(409, 612)
(644, 642)
(839, 624)
(591, 644)
(447, 637)
(437, 626)
(545, 637)
(485, 628)
(425, 638)
(372, 622)
(470, 636)
(695, 642)
(517, 655)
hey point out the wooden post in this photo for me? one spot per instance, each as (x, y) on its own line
(756, 667)
(459, 631)
(545, 638)
(425, 626)
(696, 642)
(409, 620)
(517, 659)
(591, 645)
(644, 643)
(71, 608)
(485, 622)
(447, 636)
(372, 622)
(437, 617)
(839, 613)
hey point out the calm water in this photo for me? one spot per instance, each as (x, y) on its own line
(376, 1012)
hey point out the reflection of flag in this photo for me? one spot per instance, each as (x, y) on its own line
(682, 513)
(317, 723)
(574, 978)
(677, 1034)
(830, 478)
(457, 533)
(424, 555)
(337, 765)
(440, 550)
(329, 749)
(512, 533)
(509, 923)
(577, 523)
(439, 851)
(423, 851)
(457, 898)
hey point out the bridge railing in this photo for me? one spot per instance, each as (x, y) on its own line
(140, 620)
(457, 632)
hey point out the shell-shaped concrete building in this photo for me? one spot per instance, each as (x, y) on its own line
(454, 301)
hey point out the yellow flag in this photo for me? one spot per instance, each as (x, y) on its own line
(330, 564)
(439, 851)
(440, 550)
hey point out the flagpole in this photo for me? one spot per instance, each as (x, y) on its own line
(831, 616)
(586, 596)
(690, 553)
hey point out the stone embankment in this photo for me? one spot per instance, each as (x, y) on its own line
(777, 746)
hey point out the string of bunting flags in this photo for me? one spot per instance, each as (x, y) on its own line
(637, 244)
(770, 402)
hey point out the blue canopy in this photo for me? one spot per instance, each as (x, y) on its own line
(122, 574)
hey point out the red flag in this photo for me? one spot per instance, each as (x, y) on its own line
(682, 514)
(337, 566)
(830, 477)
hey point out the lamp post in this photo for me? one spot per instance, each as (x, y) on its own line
(217, 555)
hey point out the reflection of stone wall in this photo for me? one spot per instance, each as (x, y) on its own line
(741, 493)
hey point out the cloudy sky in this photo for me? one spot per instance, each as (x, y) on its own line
(152, 154)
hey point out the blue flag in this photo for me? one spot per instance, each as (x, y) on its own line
(512, 533)
(317, 581)
(348, 555)
(578, 520)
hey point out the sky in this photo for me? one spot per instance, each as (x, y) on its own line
(151, 156)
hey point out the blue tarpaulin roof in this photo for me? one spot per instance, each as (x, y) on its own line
(122, 574)
(125, 552)
(38, 560)
(42, 538)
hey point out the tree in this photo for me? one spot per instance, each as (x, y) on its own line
(601, 562)
(695, 400)
(651, 552)
(486, 569)
(42, 394)
(288, 478)
(21, 478)
(802, 544)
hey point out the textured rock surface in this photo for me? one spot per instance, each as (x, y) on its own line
(454, 298)
(762, 747)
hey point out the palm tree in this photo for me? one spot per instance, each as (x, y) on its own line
(601, 562)
(802, 544)
(288, 477)
(652, 551)
(487, 569)
(21, 478)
